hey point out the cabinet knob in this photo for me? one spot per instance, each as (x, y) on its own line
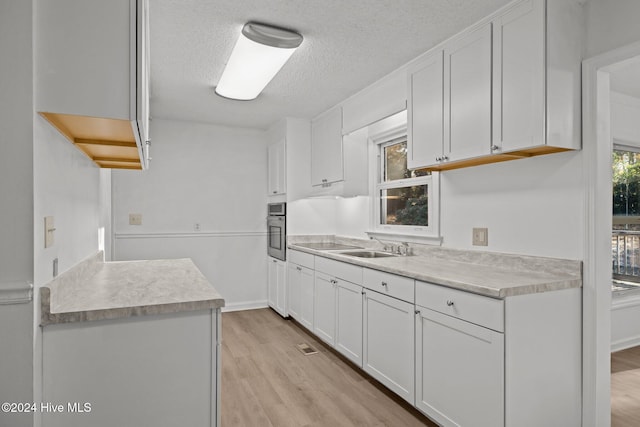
(494, 148)
(417, 311)
(449, 303)
(438, 159)
(275, 191)
(384, 284)
(445, 158)
(299, 268)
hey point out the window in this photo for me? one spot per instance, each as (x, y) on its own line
(625, 238)
(404, 202)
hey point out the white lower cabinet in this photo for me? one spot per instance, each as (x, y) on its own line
(294, 273)
(300, 283)
(388, 341)
(300, 287)
(459, 371)
(277, 287)
(461, 358)
(324, 307)
(348, 339)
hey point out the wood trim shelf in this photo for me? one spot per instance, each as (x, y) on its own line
(496, 158)
(109, 143)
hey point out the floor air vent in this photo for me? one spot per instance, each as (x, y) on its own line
(306, 349)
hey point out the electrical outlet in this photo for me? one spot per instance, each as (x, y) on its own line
(135, 219)
(480, 236)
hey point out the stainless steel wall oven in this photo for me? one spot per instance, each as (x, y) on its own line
(277, 230)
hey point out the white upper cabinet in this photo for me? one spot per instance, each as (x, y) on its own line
(277, 169)
(425, 113)
(326, 148)
(467, 99)
(510, 89)
(92, 76)
(519, 77)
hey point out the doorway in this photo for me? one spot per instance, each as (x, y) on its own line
(597, 275)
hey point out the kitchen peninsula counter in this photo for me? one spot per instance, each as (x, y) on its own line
(97, 290)
(138, 341)
(489, 274)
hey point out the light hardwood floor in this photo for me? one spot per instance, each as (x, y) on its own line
(625, 388)
(267, 381)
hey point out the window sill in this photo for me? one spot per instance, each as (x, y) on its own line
(405, 237)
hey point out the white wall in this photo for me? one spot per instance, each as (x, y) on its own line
(625, 328)
(625, 118)
(67, 187)
(16, 203)
(530, 206)
(611, 24)
(210, 175)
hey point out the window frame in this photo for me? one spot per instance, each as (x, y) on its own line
(407, 233)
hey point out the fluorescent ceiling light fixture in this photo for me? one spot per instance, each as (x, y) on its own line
(258, 55)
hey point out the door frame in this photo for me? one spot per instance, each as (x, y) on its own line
(597, 176)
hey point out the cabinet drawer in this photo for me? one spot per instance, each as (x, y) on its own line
(389, 284)
(483, 311)
(301, 258)
(341, 270)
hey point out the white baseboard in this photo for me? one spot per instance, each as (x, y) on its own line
(625, 344)
(248, 305)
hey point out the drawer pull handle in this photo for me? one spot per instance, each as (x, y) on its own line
(384, 284)
(449, 303)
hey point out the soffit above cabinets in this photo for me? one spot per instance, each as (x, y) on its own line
(110, 143)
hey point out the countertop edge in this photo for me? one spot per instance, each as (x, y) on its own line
(557, 284)
(48, 318)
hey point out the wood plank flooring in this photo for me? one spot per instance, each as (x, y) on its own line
(267, 381)
(625, 388)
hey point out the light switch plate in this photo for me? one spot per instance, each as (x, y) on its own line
(49, 232)
(480, 236)
(135, 219)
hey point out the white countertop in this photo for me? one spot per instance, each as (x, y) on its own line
(490, 274)
(96, 290)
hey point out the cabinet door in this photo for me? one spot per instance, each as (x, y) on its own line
(324, 307)
(459, 371)
(326, 148)
(467, 79)
(425, 109)
(294, 278)
(519, 77)
(388, 341)
(276, 166)
(281, 300)
(306, 298)
(349, 321)
(277, 286)
(272, 291)
(142, 70)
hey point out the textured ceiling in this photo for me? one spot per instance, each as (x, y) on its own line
(348, 44)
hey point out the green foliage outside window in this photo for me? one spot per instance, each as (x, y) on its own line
(626, 183)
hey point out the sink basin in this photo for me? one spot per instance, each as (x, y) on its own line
(368, 254)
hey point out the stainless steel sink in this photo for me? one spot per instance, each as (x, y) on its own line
(368, 254)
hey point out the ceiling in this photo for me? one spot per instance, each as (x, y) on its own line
(348, 44)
